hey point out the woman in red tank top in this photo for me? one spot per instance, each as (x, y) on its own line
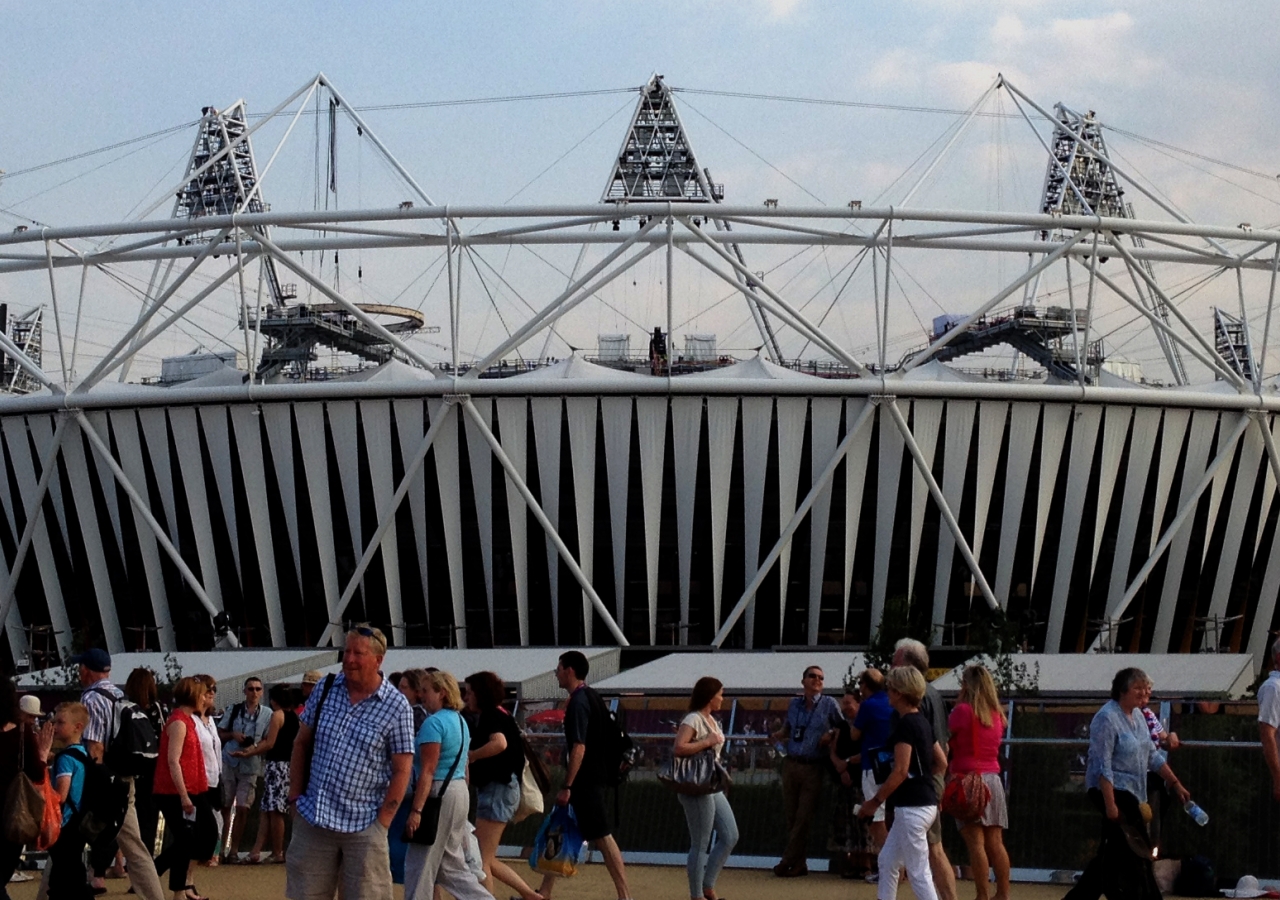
(180, 776)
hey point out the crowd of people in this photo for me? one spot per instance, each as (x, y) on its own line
(372, 775)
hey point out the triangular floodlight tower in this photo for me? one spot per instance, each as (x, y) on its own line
(657, 162)
(1079, 181)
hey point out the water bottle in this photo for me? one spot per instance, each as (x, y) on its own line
(1195, 812)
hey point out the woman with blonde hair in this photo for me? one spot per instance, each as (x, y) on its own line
(440, 770)
(977, 727)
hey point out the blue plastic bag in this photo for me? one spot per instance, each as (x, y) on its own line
(559, 846)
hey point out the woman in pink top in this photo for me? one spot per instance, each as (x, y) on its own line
(977, 728)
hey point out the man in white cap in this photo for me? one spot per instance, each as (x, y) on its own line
(1269, 719)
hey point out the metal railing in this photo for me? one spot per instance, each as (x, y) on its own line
(1052, 824)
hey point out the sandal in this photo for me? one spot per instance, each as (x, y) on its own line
(274, 860)
(255, 859)
(192, 894)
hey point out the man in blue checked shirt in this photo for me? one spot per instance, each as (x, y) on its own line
(349, 771)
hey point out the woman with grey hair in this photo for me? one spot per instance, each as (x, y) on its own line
(1120, 756)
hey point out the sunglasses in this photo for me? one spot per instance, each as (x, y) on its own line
(815, 675)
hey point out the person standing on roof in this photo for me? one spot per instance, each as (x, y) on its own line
(101, 697)
(807, 729)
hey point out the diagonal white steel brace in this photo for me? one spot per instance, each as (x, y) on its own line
(536, 508)
(927, 353)
(561, 304)
(748, 595)
(965, 550)
(334, 631)
(48, 466)
(1225, 454)
(57, 315)
(144, 509)
(370, 322)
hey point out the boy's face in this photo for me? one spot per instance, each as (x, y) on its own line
(66, 731)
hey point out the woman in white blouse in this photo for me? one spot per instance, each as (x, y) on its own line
(699, 732)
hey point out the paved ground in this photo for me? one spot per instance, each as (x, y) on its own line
(592, 883)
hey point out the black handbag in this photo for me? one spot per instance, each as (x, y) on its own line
(695, 775)
(429, 820)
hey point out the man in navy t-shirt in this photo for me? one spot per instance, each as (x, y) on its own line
(872, 726)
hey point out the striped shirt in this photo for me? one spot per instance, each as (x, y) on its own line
(101, 710)
(351, 754)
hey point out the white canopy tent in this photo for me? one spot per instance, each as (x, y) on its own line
(763, 672)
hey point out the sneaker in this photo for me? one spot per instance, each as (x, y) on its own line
(872, 878)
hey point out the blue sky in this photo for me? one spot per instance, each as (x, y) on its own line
(1198, 76)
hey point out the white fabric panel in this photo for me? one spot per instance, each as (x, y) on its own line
(757, 419)
(1171, 440)
(581, 413)
(1203, 424)
(346, 450)
(1114, 430)
(547, 422)
(278, 418)
(42, 433)
(791, 415)
(651, 422)
(513, 421)
(214, 421)
(444, 448)
(1052, 439)
(24, 470)
(1268, 484)
(825, 419)
(1268, 487)
(9, 504)
(1260, 637)
(617, 452)
(110, 491)
(722, 428)
(991, 419)
(186, 433)
(315, 462)
(1084, 442)
(955, 464)
(1146, 423)
(686, 433)
(155, 431)
(253, 471)
(124, 424)
(13, 627)
(410, 427)
(1022, 439)
(375, 415)
(855, 483)
(1251, 452)
(78, 473)
(1216, 489)
(926, 419)
(891, 446)
(481, 460)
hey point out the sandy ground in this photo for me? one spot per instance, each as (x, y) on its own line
(592, 883)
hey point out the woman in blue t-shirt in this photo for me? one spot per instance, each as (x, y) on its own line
(440, 770)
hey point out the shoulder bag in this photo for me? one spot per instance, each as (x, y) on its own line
(23, 802)
(697, 774)
(429, 821)
(966, 796)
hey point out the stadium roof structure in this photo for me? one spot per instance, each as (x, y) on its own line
(758, 672)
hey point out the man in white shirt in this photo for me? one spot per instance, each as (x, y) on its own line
(1269, 719)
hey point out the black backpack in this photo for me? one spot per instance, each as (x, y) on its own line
(133, 744)
(618, 753)
(104, 800)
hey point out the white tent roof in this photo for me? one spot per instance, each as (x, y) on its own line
(224, 376)
(1066, 675)
(576, 368)
(763, 672)
(392, 370)
(756, 369)
(529, 670)
(934, 370)
(229, 666)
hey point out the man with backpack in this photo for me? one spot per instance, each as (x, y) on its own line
(592, 760)
(111, 723)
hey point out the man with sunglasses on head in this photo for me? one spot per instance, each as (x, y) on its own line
(243, 726)
(806, 731)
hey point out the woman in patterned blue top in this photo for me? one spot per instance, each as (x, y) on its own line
(1120, 756)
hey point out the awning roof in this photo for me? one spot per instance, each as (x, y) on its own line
(743, 672)
(229, 666)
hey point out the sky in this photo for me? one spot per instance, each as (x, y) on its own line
(1200, 79)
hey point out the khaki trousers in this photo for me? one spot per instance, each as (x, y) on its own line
(801, 787)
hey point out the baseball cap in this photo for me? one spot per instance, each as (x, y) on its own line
(95, 660)
(30, 704)
(312, 677)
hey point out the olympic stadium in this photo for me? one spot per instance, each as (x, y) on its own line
(568, 448)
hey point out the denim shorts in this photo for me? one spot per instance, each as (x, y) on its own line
(497, 802)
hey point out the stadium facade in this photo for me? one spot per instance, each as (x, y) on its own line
(691, 499)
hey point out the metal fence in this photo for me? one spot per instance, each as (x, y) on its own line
(1052, 827)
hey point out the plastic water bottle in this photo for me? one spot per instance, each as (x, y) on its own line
(1195, 812)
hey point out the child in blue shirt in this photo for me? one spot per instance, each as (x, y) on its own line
(67, 878)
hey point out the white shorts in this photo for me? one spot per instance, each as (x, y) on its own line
(869, 788)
